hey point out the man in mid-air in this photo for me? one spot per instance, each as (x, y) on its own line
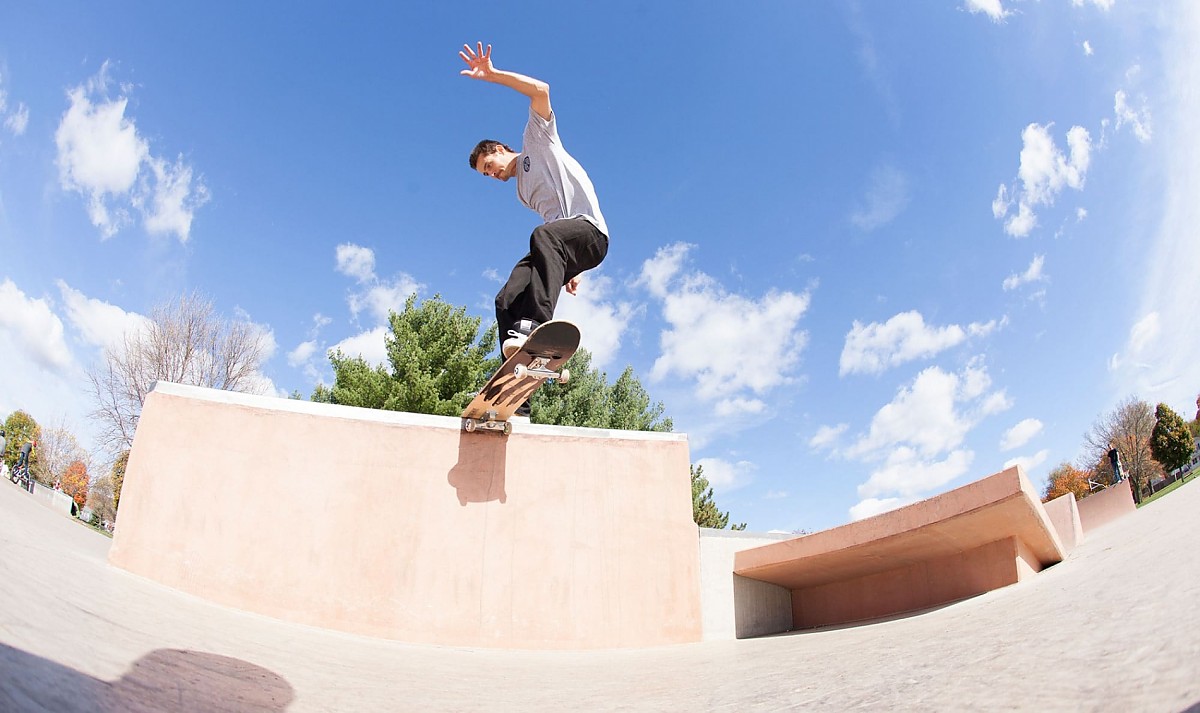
(573, 238)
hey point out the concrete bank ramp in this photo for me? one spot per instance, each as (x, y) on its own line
(402, 526)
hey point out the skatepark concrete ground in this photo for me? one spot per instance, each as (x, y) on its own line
(1114, 627)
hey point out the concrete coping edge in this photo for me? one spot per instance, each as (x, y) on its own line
(279, 403)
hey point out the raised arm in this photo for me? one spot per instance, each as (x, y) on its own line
(479, 63)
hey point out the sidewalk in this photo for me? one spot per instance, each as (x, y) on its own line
(1114, 627)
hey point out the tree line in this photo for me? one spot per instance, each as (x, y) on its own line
(1151, 444)
(438, 356)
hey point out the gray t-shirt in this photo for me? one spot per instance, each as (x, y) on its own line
(550, 181)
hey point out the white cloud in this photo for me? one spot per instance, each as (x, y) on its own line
(1034, 273)
(1159, 363)
(303, 353)
(886, 198)
(1087, 48)
(173, 199)
(915, 442)
(34, 331)
(875, 347)
(1020, 434)
(101, 156)
(1142, 344)
(310, 352)
(40, 374)
(1138, 120)
(384, 297)
(908, 473)
(663, 267)
(18, 120)
(601, 321)
(99, 323)
(710, 331)
(378, 297)
(726, 408)
(925, 414)
(1029, 463)
(355, 261)
(827, 436)
(1045, 171)
(1104, 5)
(724, 475)
(871, 507)
(369, 345)
(994, 9)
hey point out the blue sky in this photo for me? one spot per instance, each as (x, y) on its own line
(864, 252)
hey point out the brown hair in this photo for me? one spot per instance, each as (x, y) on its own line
(486, 147)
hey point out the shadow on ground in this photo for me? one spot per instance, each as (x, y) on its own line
(162, 680)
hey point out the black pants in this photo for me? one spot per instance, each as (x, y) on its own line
(558, 251)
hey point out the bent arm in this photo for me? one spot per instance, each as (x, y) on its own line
(479, 63)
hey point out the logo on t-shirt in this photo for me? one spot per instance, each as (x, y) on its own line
(526, 164)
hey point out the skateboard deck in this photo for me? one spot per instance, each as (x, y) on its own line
(545, 351)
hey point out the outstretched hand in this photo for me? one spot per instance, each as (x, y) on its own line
(479, 61)
(573, 286)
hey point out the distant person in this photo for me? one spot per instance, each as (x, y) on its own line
(23, 460)
(574, 237)
(3, 443)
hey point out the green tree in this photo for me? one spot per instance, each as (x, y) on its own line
(704, 507)
(588, 400)
(437, 358)
(1171, 440)
(118, 478)
(20, 428)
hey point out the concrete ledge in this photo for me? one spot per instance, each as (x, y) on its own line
(1063, 512)
(979, 537)
(402, 526)
(56, 500)
(1101, 508)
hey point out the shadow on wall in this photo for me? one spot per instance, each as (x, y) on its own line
(162, 680)
(478, 476)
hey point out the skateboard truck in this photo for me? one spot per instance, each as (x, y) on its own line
(537, 370)
(487, 423)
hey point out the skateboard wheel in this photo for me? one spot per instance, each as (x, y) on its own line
(469, 425)
(520, 371)
(565, 376)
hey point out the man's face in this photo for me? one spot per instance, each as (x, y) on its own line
(500, 165)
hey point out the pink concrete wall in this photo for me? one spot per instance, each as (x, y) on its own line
(1063, 512)
(915, 586)
(978, 537)
(401, 526)
(1099, 509)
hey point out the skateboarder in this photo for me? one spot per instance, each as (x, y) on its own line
(574, 237)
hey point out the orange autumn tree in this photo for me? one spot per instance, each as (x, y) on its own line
(75, 482)
(1064, 479)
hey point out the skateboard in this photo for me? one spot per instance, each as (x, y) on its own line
(547, 348)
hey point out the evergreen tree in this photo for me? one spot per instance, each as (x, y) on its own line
(704, 507)
(437, 359)
(588, 400)
(1171, 440)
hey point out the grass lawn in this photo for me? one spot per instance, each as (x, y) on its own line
(1170, 488)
